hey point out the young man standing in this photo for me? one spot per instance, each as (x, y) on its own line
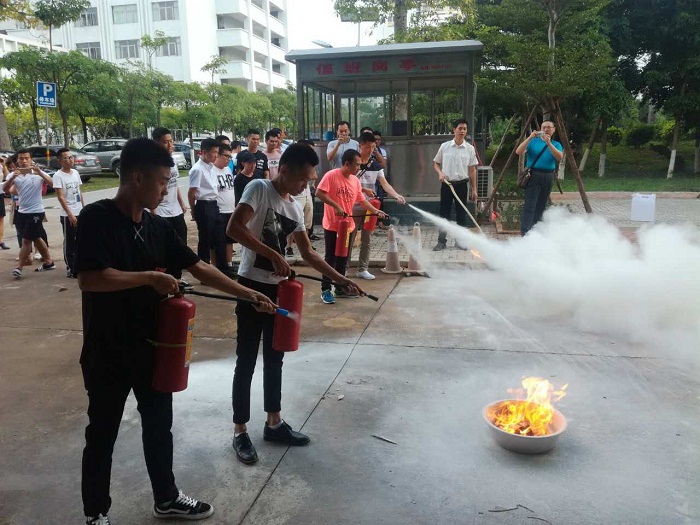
(273, 153)
(337, 148)
(339, 190)
(261, 168)
(226, 200)
(27, 180)
(371, 174)
(455, 163)
(265, 214)
(173, 207)
(66, 182)
(246, 172)
(202, 196)
(121, 255)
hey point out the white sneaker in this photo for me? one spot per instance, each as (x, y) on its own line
(37, 256)
(364, 274)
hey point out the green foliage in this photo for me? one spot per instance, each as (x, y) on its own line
(615, 135)
(55, 13)
(639, 135)
(664, 130)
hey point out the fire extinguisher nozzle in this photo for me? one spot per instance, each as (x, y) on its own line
(373, 297)
(282, 311)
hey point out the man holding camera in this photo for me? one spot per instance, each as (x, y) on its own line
(336, 148)
(28, 180)
(543, 156)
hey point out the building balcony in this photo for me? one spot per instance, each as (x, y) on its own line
(259, 45)
(237, 69)
(277, 54)
(231, 7)
(276, 26)
(233, 37)
(258, 15)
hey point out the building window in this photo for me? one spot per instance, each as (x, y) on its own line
(87, 18)
(170, 49)
(165, 11)
(127, 48)
(125, 14)
(90, 49)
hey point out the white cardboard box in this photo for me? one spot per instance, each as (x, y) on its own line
(643, 207)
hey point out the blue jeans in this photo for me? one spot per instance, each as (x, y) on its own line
(536, 195)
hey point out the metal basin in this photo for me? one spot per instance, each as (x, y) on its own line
(525, 444)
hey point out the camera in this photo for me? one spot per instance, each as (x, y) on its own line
(540, 134)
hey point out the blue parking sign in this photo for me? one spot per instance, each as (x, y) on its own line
(46, 94)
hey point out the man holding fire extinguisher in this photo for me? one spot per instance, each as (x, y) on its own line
(340, 190)
(121, 256)
(266, 214)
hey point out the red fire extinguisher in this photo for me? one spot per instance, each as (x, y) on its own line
(371, 218)
(290, 296)
(342, 242)
(174, 344)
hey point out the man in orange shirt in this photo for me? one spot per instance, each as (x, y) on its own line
(339, 190)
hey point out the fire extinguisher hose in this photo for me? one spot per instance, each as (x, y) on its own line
(452, 189)
(319, 279)
(280, 311)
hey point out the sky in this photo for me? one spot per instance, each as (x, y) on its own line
(309, 20)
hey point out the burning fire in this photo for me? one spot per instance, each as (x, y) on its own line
(475, 254)
(530, 416)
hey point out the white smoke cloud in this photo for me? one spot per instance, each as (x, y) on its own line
(580, 267)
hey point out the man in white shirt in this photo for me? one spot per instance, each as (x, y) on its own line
(66, 182)
(27, 180)
(273, 152)
(226, 201)
(202, 195)
(265, 214)
(455, 163)
(336, 148)
(172, 208)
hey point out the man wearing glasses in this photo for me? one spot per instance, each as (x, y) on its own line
(226, 200)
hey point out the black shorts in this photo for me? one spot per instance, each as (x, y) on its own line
(2, 207)
(223, 220)
(30, 225)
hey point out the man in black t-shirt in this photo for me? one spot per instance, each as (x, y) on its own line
(121, 256)
(262, 171)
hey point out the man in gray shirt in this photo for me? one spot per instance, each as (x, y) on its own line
(337, 147)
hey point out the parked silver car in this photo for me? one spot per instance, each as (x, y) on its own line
(86, 164)
(108, 151)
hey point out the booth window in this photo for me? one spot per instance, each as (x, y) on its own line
(318, 112)
(434, 107)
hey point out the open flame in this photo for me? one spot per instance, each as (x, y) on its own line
(530, 416)
(475, 254)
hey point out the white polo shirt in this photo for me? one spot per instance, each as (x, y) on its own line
(455, 160)
(202, 178)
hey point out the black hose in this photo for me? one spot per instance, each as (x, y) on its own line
(320, 280)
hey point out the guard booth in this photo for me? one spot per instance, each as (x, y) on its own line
(411, 93)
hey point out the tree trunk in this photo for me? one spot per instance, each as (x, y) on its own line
(570, 156)
(674, 146)
(83, 123)
(603, 147)
(4, 135)
(503, 138)
(35, 118)
(400, 19)
(64, 123)
(589, 146)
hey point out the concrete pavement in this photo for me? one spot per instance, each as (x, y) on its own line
(416, 368)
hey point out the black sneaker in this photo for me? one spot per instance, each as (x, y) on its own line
(289, 252)
(4, 246)
(244, 449)
(285, 434)
(183, 508)
(440, 246)
(314, 237)
(46, 267)
(101, 519)
(340, 293)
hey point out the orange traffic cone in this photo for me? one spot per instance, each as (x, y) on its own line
(392, 253)
(414, 267)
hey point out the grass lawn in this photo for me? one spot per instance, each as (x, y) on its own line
(627, 169)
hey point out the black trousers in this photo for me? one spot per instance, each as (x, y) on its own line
(339, 264)
(206, 215)
(251, 325)
(69, 232)
(181, 229)
(446, 200)
(536, 195)
(105, 409)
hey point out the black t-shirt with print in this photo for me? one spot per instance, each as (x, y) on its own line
(117, 325)
(260, 166)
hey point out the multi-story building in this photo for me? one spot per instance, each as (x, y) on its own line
(251, 34)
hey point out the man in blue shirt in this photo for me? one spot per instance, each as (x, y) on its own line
(542, 172)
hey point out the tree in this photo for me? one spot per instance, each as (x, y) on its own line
(19, 90)
(215, 66)
(152, 44)
(55, 13)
